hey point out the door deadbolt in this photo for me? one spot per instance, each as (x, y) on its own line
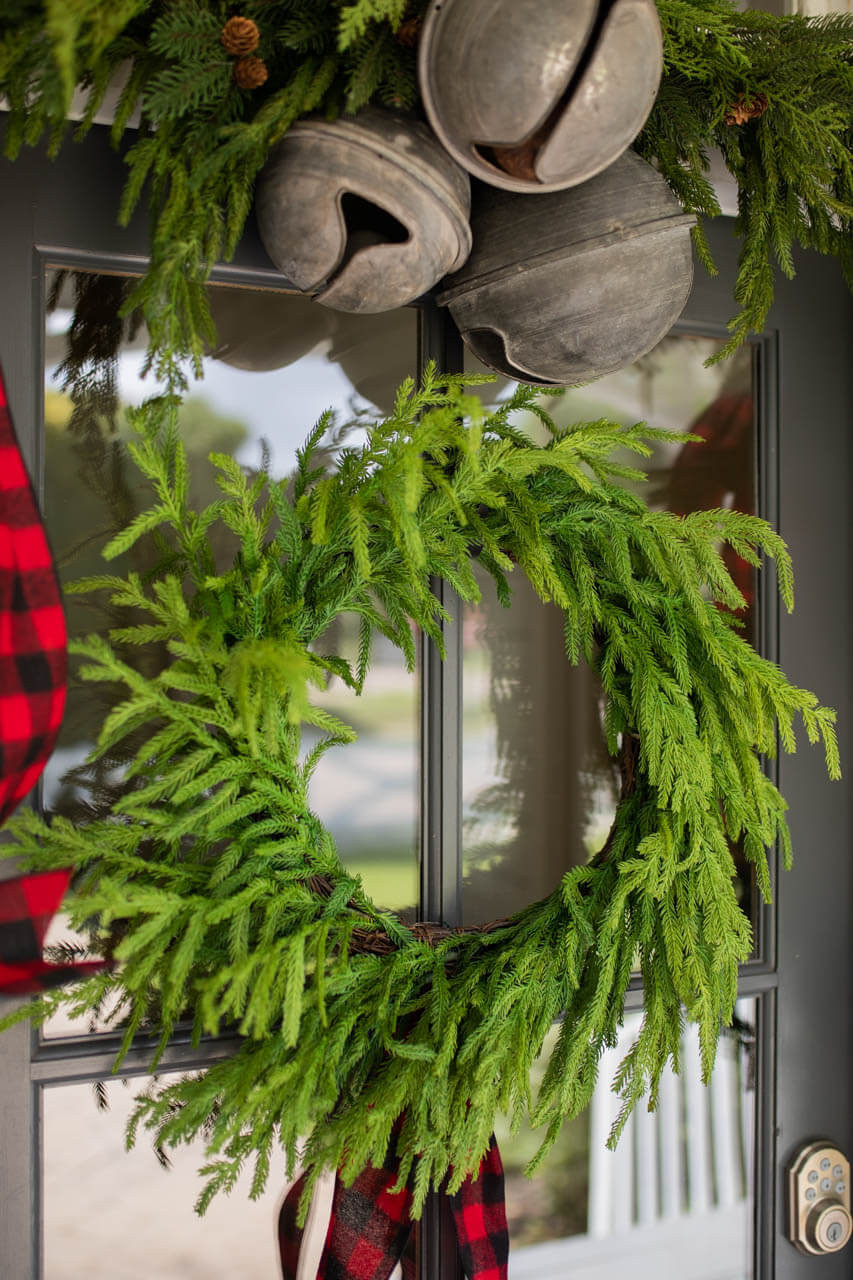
(819, 1219)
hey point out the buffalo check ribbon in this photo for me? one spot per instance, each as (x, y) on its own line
(27, 906)
(370, 1224)
(33, 667)
(32, 629)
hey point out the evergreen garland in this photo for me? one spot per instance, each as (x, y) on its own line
(203, 138)
(221, 896)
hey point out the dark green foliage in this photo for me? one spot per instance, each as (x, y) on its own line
(793, 165)
(203, 140)
(222, 896)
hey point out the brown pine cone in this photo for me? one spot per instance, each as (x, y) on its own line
(409, 32)
(741, 111)
(250, 73)
(240, 36)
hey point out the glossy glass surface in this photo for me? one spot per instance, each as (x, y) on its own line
(674, 1201)
(110, 1214)
(538, 788)
(281, 360)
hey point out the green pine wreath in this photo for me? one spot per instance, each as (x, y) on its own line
(220, 895)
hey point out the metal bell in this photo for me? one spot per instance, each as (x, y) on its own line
(579, 283)
(537, 95)
(366, 213)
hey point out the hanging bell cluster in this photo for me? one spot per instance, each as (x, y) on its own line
(533, 98)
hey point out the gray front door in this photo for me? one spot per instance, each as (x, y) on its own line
(699, 1191)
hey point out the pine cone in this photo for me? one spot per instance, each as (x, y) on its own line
(409, 32)
(250, 73)
(741, 111)
(240, 36)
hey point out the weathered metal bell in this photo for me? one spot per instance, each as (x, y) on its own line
(579, 283)
(366, 213)
(537, 95)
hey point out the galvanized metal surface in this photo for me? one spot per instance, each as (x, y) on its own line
(565, 87)
(365, 213)
(576, 284)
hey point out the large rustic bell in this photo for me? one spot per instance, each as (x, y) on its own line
(578, 283)
(537, 95)
(365, 213)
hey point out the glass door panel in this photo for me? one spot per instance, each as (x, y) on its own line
(280, 362)
(538, 788)
(539, 793)
(674, 1201)
(111, 1214)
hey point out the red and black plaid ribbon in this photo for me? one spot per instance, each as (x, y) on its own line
(27, 906)
(33, 666)
(370, 1224)
(32, 629)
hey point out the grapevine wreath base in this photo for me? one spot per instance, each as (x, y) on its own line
(221, 897)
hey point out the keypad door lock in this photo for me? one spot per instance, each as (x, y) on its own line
(819, 1218)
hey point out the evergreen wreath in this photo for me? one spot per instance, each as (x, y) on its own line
(221, 897)
(775, 94)
(208, 880)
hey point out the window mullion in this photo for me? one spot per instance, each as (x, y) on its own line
(441, 788)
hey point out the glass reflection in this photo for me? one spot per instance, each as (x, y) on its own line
(100, 1202)
(539, 790)
(675, 1201)
(280, 361)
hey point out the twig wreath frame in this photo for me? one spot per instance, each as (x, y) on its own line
(222, 898)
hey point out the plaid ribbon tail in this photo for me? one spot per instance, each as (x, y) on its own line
(290, 1234)
(32, 629)
(371, 1223)
(479, 1212)
(27, 906)
(30, 979)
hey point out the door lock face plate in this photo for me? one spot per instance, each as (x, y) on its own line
(819, 1217)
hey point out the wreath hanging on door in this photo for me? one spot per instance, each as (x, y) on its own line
(209, 883)
(219, 895)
